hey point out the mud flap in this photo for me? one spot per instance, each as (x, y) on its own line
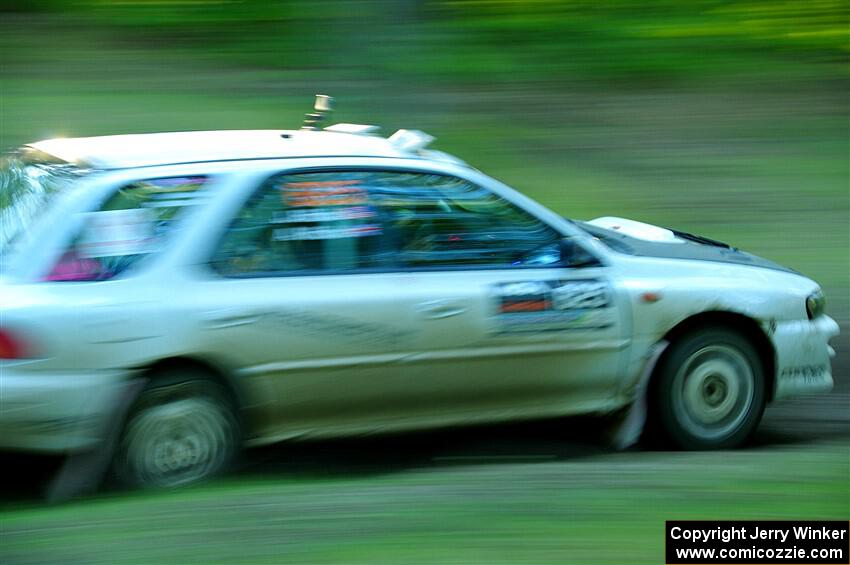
(83, 472)
(626, 432)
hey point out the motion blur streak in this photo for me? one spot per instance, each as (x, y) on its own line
(728, 119)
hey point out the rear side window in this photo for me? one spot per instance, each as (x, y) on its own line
(131, 224)
(305, 222)
(379, 220)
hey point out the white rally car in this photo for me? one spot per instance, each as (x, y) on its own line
(180, 295)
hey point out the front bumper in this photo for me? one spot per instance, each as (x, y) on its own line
(803, 356)
(50, 411)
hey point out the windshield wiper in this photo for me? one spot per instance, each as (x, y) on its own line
(701, 239)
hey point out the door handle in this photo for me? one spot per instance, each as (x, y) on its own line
(439, 309)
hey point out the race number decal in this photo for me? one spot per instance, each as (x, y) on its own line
(580, 295)
(554, 305)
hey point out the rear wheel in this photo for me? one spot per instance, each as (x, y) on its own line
(710, 391)
(181, 430)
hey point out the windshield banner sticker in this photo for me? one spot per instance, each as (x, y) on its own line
(554, 305)
(329, 193)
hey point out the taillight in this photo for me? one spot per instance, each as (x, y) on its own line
(12, 346)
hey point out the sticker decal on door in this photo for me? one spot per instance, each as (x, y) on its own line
(553, 305)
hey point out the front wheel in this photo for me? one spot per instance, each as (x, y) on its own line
(181, 430)
(710, 391)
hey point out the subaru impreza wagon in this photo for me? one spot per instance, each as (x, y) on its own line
(189, 294)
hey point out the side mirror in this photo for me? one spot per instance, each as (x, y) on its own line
(574, 255)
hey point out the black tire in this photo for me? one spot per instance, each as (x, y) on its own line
(709, 391)
(182, 429)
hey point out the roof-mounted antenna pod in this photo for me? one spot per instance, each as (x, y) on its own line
(322, 107)
(410, 140)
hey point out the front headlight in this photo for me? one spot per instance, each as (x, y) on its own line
(815, 304)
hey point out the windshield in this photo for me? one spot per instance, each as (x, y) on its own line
(29, 183)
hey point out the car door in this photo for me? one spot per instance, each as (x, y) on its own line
(513, 320)
(306, 304)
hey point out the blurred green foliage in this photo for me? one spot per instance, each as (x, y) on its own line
(470, 40)
(717, 117)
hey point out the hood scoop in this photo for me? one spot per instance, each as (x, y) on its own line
(645, 240)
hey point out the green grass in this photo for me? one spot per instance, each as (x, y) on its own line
(603, 509)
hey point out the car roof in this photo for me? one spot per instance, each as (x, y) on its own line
(153, 149)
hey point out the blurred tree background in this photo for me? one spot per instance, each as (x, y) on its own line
(728, 118)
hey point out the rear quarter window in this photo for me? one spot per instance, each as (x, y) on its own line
(132, 223)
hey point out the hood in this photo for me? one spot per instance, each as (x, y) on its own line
(645, 240)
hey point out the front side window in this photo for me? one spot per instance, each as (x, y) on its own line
(131, 224)
(443, 221)
(379, 220)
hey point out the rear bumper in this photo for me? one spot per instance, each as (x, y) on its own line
(50, 411)
(803, 356)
